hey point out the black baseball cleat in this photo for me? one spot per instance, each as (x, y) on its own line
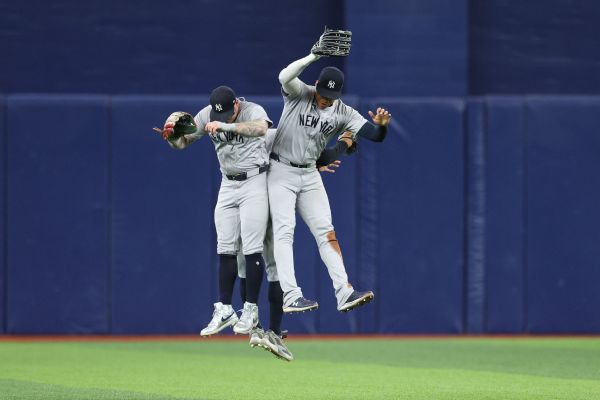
(357, 299)
(300, 305)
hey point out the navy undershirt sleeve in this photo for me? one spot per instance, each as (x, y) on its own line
(370, 131)
(331, 154)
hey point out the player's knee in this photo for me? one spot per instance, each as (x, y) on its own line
(285, 237)
(229, 248)
(227, 252)
(330, 239)
(325, 237)
(252, 250)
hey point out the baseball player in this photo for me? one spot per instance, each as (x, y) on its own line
(272, 339)
(311, 116)
(237, 128)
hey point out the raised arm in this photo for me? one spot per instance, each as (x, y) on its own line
(377, 130)
(288, 77)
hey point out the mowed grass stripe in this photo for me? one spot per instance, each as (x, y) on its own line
(354, 369)
(22, 390)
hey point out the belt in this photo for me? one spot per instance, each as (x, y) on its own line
(276, 157)
(242, 176)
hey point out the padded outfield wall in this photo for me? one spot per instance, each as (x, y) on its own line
(473, 216)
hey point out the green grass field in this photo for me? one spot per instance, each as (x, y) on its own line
(458, 368)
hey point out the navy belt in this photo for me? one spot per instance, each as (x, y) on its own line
(242, 176)
(274, 156)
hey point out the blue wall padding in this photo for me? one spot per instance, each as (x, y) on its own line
(408, 48)
(368, 254)
(399, 48)
(126, 47)
(474, 215)
(57, 204)
(548, 46)
(562, 197)
(475, 218)
(163, 237)
(421, 216)
(2, 209)
(504, 238)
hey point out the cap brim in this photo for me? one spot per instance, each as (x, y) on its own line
(222, 116)
(330, 94)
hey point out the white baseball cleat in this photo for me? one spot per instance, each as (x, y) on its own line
(248, 320)
(274, 343)
(223, 316)
(256, 337)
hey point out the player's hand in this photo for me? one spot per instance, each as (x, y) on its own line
(346, 135)
(381, 117)
(213, 127)
(331, 167)
(167, 131)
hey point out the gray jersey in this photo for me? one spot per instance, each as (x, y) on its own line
(304, 129)
(269, 139)
(236, 153)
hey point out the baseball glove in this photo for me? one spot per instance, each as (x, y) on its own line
(333, 43)
(178, 124)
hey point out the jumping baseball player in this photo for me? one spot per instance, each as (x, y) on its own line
(272, 339)
(311, 116)
(237, 128)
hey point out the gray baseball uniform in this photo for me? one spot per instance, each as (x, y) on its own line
(303, 131)
(267, 254)
(268, 257)
(236, 153)
(242, 206)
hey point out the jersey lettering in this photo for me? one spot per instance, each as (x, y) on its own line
(308, 120)
(326, 128)
(222, 137)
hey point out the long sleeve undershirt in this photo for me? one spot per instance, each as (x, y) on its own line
(288, 77)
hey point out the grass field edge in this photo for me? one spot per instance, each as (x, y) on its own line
(300, 337)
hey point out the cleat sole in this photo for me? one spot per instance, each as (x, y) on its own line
(300, 310)
(360, 302)
(227, 325)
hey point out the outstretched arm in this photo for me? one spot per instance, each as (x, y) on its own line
(288, 77)
(377, 130)
(248, 128)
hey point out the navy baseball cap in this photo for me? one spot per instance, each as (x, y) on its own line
(331, 81)
(221, 102)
